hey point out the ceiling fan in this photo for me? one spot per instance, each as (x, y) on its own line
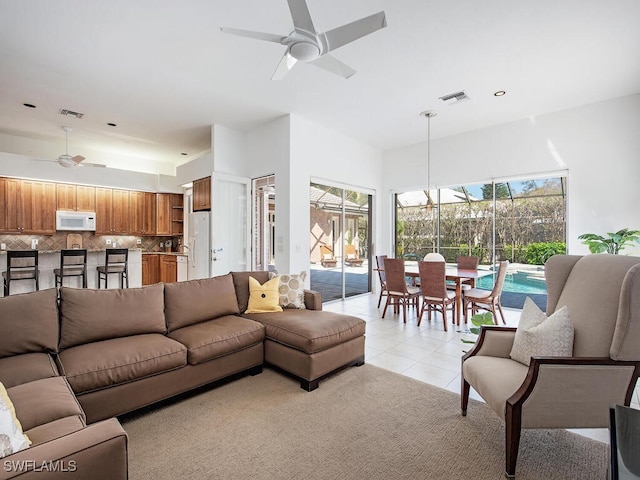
(66, 160)
(305, 44)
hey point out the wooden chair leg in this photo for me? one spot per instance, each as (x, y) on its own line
(444, 316)
(380, 298)
(513, 427)
(501, 313)
(464, 396)
(386, 305)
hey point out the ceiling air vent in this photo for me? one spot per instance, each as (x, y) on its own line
(70, 113)
(454, 98)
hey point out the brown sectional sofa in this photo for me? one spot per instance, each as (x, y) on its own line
(71, 359)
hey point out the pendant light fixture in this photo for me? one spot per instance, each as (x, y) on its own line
(429, 114)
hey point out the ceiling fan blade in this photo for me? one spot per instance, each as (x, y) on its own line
(333, 65)
(340, 36)
(77, 159)
(100, 165)
(286, 63)
(301, 16)
(269, 37)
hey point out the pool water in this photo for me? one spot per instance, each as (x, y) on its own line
(518, 282)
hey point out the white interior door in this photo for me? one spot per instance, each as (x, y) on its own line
(230, 232)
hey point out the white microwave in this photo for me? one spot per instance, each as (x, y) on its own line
(75, 220)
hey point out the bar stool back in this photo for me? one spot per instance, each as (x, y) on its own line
(73, 263)
(21, 265)
(116, 261)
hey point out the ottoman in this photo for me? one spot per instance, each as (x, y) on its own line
(311, 344)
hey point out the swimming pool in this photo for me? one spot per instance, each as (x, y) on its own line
(516, 282)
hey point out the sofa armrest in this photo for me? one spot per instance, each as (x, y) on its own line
(312, 300)
(493, 342)
(98, 451)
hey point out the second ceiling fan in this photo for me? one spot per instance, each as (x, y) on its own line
(305, 44)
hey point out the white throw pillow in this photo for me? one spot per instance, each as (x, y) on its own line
(351, 256)
(539, 336)
(12, 439)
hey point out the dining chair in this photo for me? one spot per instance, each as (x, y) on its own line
(399, 294)
(433, 257)
(381, 276)
(476, 298)
(465, 263)
(73, 263)
(21, 265)
(435, 295)
(116, 261)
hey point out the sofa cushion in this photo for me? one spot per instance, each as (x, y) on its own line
(88, 315)
(219, 337)
(44, 401)
(99, 365)
(26, 368)
(196, 301)
(263, 297)
(55, 429)
(241, 284)
(309, 330)
(32, 319)
(12, 438)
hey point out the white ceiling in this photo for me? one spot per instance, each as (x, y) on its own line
(163, 72)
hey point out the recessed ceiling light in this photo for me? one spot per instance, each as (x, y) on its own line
(111, 124)
(29, 105)
(184, 153)
(499, 93)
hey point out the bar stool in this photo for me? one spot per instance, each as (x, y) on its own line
(73, 263)
(116, 261)
(21, 265)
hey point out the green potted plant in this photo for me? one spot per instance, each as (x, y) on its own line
(611, 244)
(479, 319)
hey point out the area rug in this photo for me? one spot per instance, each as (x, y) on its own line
(364, 423)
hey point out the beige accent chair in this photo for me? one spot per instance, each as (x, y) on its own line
(602, 295)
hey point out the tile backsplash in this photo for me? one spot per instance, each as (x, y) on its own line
(90, 241)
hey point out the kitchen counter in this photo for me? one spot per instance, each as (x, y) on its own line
(50, 259)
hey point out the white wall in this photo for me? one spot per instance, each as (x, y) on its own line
(599, 144)
(297, 150)
(229, 151)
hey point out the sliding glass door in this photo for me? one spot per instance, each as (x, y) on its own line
(340, 241)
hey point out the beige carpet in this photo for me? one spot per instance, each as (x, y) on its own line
(363, 423)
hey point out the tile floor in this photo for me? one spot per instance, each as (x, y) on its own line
(426, 353)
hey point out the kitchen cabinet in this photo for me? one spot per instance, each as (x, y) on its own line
(112, 211)
(9, 211)
(77, 198)
(28, 206)
(177, 214)
(202, 194)
(143, 213)
(37, 207)
(168, 268)
(159, 268)
(163, 213)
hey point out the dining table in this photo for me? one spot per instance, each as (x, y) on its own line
(457, 275)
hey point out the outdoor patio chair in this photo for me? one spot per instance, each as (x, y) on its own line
(601, 294)
(399, 293)
(476, 298)
(435, 295)
(351, 256)
(326, 257)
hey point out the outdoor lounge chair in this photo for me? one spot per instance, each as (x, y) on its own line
(326, 257)
(351, 256)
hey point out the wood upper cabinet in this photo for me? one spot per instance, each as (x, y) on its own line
(77, 198)
(202, 194)
(163, 213)
(143, 213)
(177, 214)
(112, 211)
(10, 218)
(37, 207)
